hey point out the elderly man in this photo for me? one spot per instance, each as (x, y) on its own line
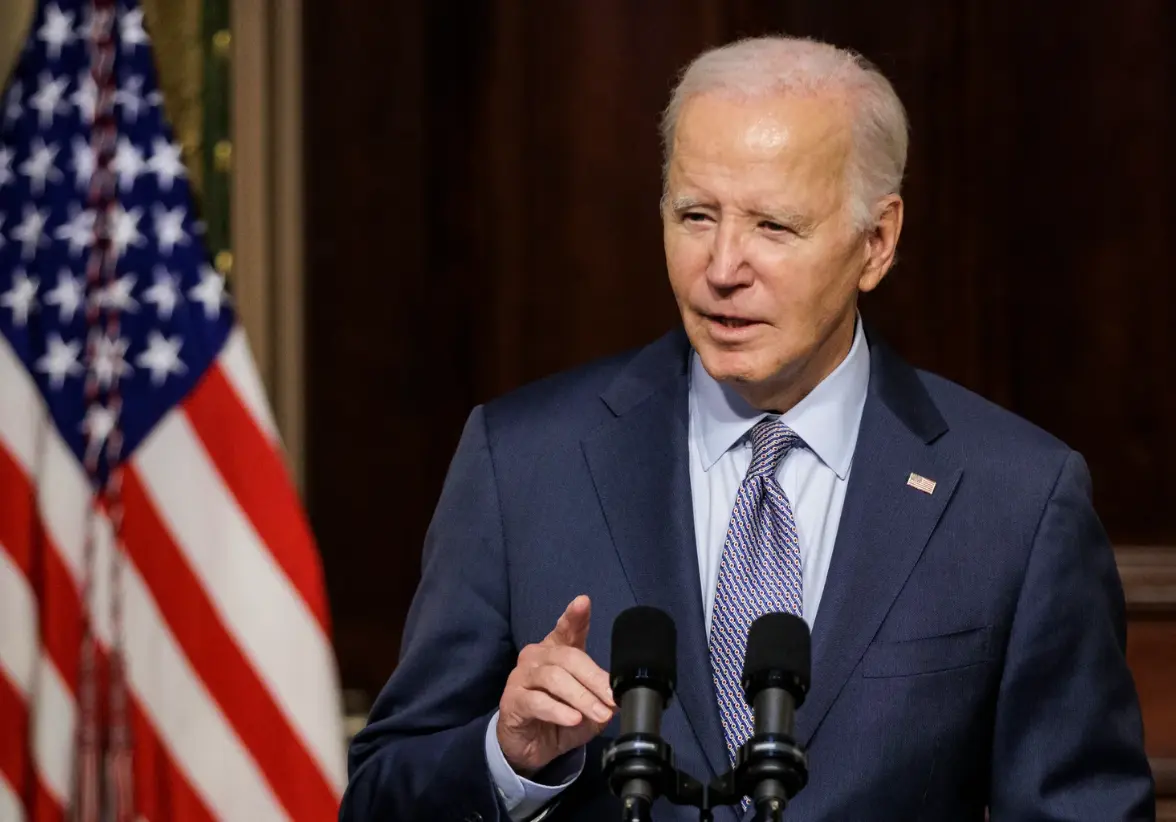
(967, 620)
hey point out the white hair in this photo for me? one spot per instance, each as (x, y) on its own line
(761, 66)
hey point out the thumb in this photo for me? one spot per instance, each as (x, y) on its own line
(572, 627)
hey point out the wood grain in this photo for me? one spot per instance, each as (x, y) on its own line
(1164, 771)
(1149, 579)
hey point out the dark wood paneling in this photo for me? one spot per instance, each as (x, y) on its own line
(482, 188)
(1149, 581)
(1150, 652)
(1164, 771)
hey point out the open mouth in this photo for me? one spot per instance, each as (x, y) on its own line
(731, 322)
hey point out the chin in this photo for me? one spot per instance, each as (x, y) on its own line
(740, 367)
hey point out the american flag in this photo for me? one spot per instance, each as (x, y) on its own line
(164, 639)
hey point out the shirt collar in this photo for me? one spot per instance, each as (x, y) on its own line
(827, 419)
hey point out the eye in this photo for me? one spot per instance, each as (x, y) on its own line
(695, 217)
(775, 228)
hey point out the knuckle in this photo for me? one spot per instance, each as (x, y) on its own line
(530, 655)
(548, 676)
(562, 655)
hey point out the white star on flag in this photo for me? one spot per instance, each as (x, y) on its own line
(48, 99)
(79, 230)
(85, 98)
(117, 295)
(210, 292)
(86, 24)
(83, 162)
(6, 157)
(31, 231)
(164, 295)
(14, 106)
(21, 298)
(130, 97)
(60, 361)
(97, 425)
(132, 33)
(165, 163)
(125, 229)
(110, 361)
(127, 163)
(162, 357)
(169, 228)
(39, 167)
(132, 367)
(66, 295)
(57, 31)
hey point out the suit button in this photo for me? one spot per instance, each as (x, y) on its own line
(474, 817)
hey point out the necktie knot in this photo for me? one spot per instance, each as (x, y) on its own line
(771, 439)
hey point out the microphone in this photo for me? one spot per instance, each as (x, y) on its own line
(776, 677)
(643, 672)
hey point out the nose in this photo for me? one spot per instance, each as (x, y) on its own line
(728, 267)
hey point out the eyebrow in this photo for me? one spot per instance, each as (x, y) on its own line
(793, 219)
(685, 203)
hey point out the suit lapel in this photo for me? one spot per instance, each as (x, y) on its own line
(885, 525)
(639, 462)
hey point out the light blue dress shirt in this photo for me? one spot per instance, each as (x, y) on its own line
(814, 478)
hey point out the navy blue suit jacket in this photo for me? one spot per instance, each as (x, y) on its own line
(969, 649)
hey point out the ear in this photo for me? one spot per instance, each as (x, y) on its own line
(882, 243)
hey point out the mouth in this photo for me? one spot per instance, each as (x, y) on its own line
(730, 322)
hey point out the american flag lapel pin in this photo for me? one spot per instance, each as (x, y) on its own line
(923, 484)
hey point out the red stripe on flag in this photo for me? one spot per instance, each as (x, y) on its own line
(254, 473)
(165, 786)
(58, 598)
(24, 541)
(16, 759)
(14, 752)
(161, 791)
(17, 505)
(60, 608)
(225, 670)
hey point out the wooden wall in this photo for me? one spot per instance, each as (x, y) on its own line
(483, 184)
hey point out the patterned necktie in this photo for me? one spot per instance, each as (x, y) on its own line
(758, 573)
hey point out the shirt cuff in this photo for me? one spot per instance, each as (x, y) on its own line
(522, 797)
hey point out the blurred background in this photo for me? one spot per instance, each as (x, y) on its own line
(421, 205)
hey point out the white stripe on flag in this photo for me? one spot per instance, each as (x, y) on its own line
(53, 715)
(257, 604)
(22, 411)
(202, 744)
(236, 363)
(18, 626)
(183, 713)
(10, 805)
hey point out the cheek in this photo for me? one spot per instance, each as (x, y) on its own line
(686, 262)
(801, 279)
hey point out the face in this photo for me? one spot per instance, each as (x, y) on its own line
(763, 256)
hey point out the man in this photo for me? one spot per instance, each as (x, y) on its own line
(772, 455)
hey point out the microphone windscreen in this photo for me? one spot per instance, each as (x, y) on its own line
(644, 647)
(779, 647)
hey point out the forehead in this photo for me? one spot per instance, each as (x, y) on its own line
(763, 139)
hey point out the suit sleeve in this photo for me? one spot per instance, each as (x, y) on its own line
(422, 754)
(1068, 739)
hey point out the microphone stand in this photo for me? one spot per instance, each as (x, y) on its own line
(636, 809)
(771, 810)
(648, 759)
